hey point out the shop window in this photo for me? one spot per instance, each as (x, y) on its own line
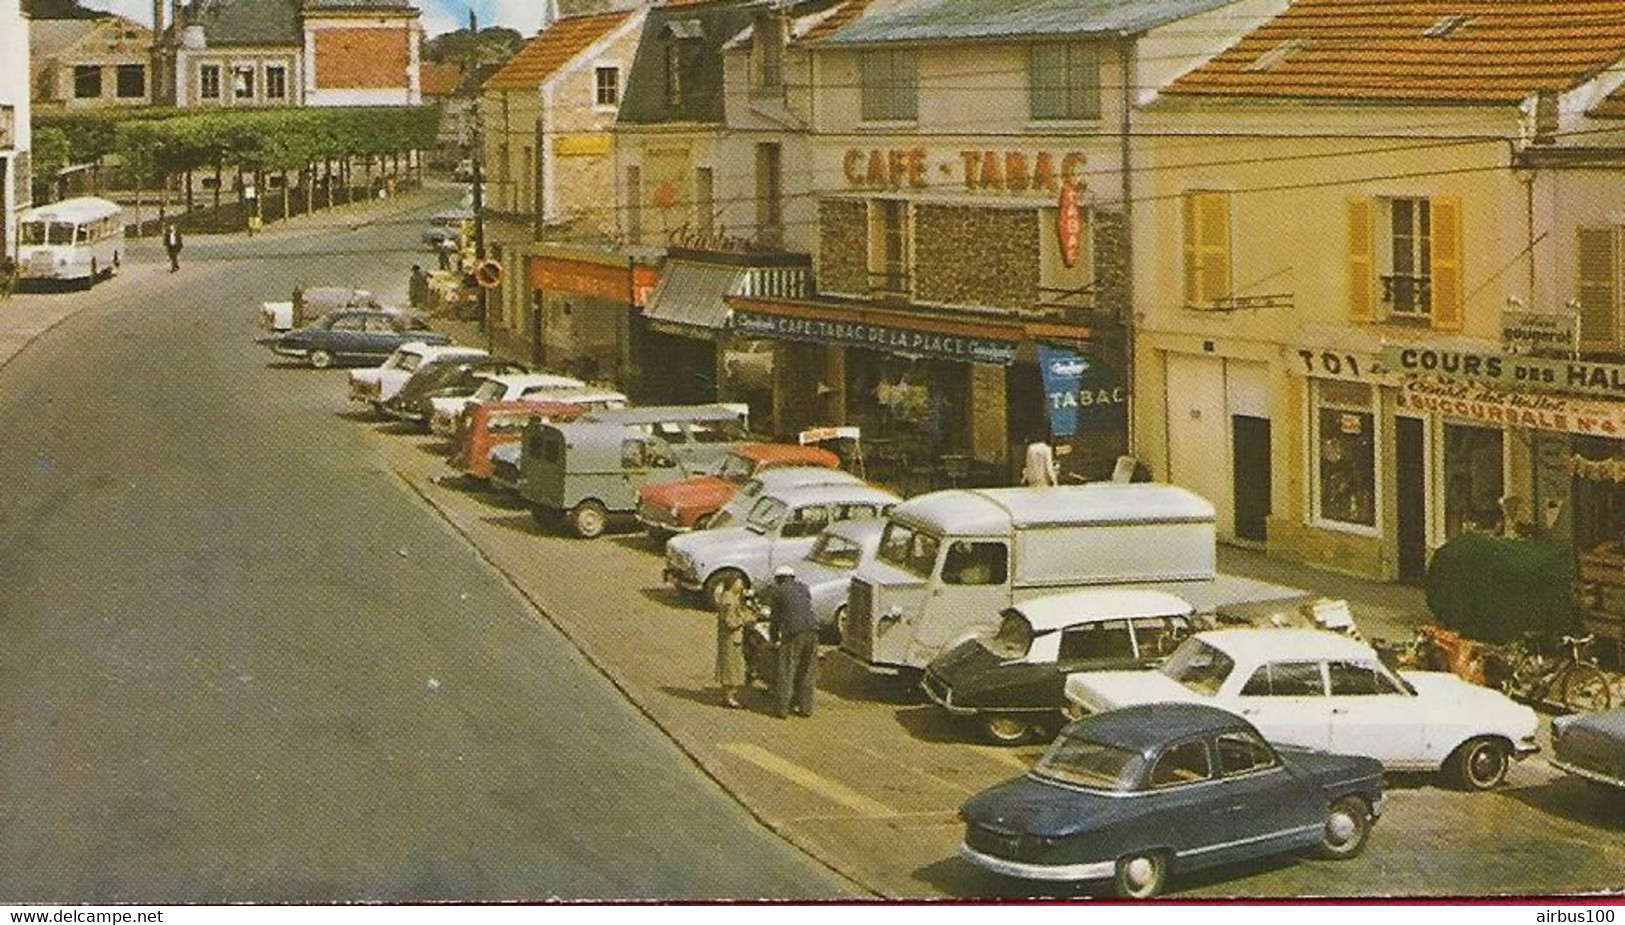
(889, 80)
(276, 82)
(1474, 479)
(1286, 679)
(1186, 763)
(969, 563)
(1404, 260)
(208, 82)
(1063, 82)
(131, 81)
(1094, 641)
(606, 86)
(1602, 303)
(87, 81)
(1207, 249)
(1345, 454)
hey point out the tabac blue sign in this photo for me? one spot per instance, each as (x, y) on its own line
(1081, 394)
(876, 337)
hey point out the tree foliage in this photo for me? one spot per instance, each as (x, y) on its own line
(49, 151)
(493, 45)
(1496, 589)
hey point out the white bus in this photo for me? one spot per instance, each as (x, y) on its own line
(75, 239)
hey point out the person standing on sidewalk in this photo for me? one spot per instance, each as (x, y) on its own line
(417, 289)
(794, 628)
(733, 616)
(172, 246)
(1040, 468)
(9, 272)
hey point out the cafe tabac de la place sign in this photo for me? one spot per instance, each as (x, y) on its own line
(1011, 171)
(1574, 377)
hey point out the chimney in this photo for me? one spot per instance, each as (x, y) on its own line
(1546, 117)
(157, 17)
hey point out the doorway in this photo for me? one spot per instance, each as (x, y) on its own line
(1410, 474)
(1250, 439)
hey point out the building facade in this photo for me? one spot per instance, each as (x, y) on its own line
(15, 175)
(89, 63)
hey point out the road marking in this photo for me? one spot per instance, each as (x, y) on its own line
(1005, 756)
(795, 773)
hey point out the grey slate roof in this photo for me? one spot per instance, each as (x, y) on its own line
(943, 20)
(701, 29)
(250, 22)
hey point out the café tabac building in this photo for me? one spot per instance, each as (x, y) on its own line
(969, 234)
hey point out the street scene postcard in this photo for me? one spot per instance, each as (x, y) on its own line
(524, 451)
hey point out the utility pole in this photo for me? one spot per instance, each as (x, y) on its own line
(479, 176)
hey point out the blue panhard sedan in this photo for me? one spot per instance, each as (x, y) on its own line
(1135, 795)
(352, 335)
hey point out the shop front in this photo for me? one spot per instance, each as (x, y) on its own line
(581, 304)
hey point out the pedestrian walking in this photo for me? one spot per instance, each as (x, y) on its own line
(9, 272)
(794, 628)
(173, 242)
(444, 250)
(734, 614)
(1040, 468)
(417, 290)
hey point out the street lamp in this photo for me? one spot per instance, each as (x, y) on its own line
(479, 176)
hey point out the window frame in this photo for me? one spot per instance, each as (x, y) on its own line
(280, 84)
(1418, 253)
(1167, 753)
(209, 83)
(888, 85)
(1319, 402)
(1078, 83)
(244, 83)
(84, 76)
(601, 87)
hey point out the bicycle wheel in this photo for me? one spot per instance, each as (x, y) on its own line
(1529, 678)
(1585, 690)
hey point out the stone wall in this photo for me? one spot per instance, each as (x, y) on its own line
(843, 246)
(966, 255)
(1111, 263)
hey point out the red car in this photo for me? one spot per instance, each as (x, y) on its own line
(488, 425)
(678, 507)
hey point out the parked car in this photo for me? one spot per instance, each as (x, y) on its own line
(1592, 746)
(1139, 795)
(827, 568)
(780, 530)
(350, 335)
(681, 506)
(507, 466)
(1318, 689)
(488, 425)
(773, 480)
(591, 469)
(447, 410)
(309, 303)
(376, 385)
(1012, 684)
(447, 227)
(437, 379)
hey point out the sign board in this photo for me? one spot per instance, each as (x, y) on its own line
(1499, 407)
(1540, 333)
(1069, 226)
(1575, 377)
(873, 336)
(1081, 394)
(596, 144)
(1006, 171)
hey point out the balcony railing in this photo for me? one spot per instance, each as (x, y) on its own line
(1407, 294)
(776, 283)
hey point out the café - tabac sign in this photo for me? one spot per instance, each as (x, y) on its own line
(979, 170)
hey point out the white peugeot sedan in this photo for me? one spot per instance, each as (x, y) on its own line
(448, 410)
(378, 384)
(1320, 690)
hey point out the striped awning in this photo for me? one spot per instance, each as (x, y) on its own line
(691, 296)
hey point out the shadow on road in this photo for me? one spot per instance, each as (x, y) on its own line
(839, 676)
(928, 724)
(667, 596)
(1577, 801)
(519, 523)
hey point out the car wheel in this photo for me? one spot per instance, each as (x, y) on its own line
(712, 589)
(1480, 764)
(1006, 729)
(320, 359)
(588, 519)
(1585, 690)
(1141, 876)
(1347, 826)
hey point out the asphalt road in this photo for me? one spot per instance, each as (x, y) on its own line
(241, 661)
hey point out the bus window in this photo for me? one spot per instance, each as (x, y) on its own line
(32, 233)
(62, 233)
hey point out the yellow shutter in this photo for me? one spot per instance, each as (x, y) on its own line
(1445, 224)
(1215, 219)
(1361, 274)
(1598, 292)
(1193, 250)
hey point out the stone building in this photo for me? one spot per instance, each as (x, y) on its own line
(89, 63)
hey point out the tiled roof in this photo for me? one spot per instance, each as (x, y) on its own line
(251, 22)
(552, 49)
(1450, 51)
(842, 15)
(47, 37)
(438, 78)
(1611, 107)
(951, 20)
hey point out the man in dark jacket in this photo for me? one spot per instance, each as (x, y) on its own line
(794, 628)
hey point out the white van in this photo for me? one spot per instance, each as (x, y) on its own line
(75, 239)
(950, 562)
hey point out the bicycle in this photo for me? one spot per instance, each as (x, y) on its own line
(1571, 680)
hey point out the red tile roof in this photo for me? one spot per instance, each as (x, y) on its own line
(438, 78)
(552, 49)
(1452, 51)
(847, 12)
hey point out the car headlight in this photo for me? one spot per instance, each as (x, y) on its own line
(1562, 723)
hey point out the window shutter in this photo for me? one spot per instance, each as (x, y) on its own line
(1215, 220)
(1446, 259)
(1193, 294)
(1598, 289)
(1362, 279)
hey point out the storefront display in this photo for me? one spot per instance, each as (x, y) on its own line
(1474, 480)
(1346, 463)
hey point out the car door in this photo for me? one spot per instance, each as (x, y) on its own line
(380, 336)
(1287, 701)
(1191, 815)
(347, 335)
(1259, 792)
(1371, 714)
(976, 574)
(798, 533)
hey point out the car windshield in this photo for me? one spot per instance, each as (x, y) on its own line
(1076, 760)
(1198, 666)
(835, 551)
(1014, 638)
(491, 390)
(736, 468)
(717, 431)
(913, 551)
(765, 516)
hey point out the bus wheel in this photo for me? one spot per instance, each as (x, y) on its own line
(94, 274)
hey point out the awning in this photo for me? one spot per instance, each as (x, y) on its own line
(690, 298)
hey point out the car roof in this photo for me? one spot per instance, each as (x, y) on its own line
(436, 351)
(997, 510)
(858, 531)
(1146, 727)
(1093, 605)
(654, 414)
(1260, 643)
(525, 380)
(789, 476)
(783, 452)
(839, 492)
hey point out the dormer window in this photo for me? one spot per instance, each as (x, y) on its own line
(679, 34)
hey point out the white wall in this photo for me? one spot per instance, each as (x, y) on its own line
(13, 93)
